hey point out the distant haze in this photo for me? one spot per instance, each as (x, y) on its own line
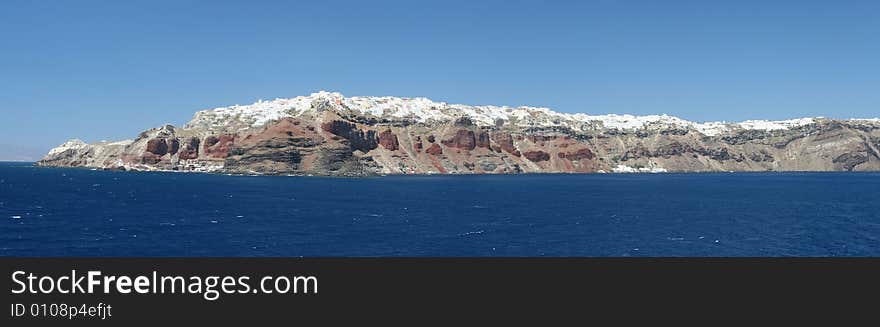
(20, 153)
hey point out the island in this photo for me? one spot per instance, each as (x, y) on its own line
(328, 134)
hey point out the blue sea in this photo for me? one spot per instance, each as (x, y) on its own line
(81, 212)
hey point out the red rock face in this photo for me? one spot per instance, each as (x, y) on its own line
(157, 147)
(505, 142)
(434, 149)
(578, 155)
(173, 145)
(190, 149)
(218, 147)
(463, 139)
(388, 140)
(282, 129)
(536, 156)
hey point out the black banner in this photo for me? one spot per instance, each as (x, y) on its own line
(151, 290)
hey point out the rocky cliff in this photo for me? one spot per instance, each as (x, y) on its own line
(329, 134)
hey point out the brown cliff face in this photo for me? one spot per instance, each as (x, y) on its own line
(218, 147)
(505, 142)
(173, 145)
(293, 146)
(577, 155)
(190, 149)
(358, 139)
(434, 149)
(463, 139)
(536, 156)
(157, 147)
(482, 140)
(388, 140)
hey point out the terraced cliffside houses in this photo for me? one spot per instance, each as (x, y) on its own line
(329, 134)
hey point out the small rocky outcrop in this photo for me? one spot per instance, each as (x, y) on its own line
(536, 156)
(577, 155)
(434, 149)
(150, 158)
(848, 161)
(540, 138)
(417, 145)
(761, 156)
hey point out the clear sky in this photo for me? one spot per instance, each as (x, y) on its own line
(110, 69)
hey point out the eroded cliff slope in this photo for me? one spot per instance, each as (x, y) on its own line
(329, 134)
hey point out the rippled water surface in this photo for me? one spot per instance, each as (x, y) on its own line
(79, 212)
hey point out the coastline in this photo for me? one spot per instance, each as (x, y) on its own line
(678, 173)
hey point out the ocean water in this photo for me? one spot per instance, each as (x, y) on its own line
(80, 212)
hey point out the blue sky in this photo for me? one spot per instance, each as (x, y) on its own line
(110, 69)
